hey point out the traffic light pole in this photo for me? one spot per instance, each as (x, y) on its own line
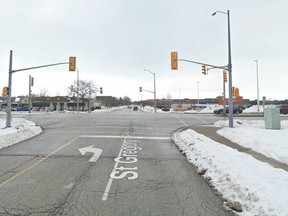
(224, 98)
(8, 107)
(11, 71)
(29, 95)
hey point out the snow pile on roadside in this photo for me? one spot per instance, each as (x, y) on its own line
(254, 108)
(211, 108)
(108, 109)
(148, 109)
(252, 134)
(241, 179)
(22, 130)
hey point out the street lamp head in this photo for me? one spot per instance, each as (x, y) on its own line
(219, 12)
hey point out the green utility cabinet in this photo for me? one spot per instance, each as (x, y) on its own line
(272, 118)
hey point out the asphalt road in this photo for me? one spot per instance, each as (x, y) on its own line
(116, 163)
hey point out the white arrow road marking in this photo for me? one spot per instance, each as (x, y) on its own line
(96, 152)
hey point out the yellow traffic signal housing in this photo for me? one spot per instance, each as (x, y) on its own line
(140, 89)
(225, 76)
(204, 69)
(237, 92)
(72, 63)
(174, 60)
(101, 90)
(5, 91)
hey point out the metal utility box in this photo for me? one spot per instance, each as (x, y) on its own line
(272, 118)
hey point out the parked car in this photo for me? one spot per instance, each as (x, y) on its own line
(283, 108)
(36, 109)
(236, 110)
(166, 109)
(23, 109)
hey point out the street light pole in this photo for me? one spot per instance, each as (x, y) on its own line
(154, 88)
(198, 94)
(230, 114)
(257, 85)
(77, 90)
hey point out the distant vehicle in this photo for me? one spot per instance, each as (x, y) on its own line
(22, 109)
(283, 108)
(135, 108)
(236, 110)
(166, 109)
(36, 109)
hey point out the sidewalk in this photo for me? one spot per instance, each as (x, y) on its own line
(211, 132)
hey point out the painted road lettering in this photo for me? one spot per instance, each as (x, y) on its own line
(127, 156)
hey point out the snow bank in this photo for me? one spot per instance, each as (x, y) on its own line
(238, 177)
(22, 129)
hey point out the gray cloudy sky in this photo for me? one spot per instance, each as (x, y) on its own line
(114, 40)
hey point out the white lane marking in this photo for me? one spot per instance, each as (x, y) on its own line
(193, 117)
(96, 152)
(201, 120)
(107, 189)
(124, 137)
(180, 120)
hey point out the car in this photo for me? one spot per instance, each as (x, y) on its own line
(283, 108)
(166, 109)
(23, 109)
(236, 110)
(36, 109)
(135, 108)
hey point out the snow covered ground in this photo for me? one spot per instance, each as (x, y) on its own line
(257, 187)
(238, 177)
(21, 130)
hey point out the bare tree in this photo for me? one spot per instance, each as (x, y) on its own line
(85, 89)
(44, 92)
(126, 101)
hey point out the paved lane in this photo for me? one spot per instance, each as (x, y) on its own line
(138, 172)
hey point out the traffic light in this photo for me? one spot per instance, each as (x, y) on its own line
(32, 81)
(224, 76)
(233, 91)
(237, 92)
(72, 63)
(140, 89)
(101, 90)
(174, 60)
(204, 69)
(5, 91)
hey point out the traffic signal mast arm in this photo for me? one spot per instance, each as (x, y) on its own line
(212, 66)
(31, 68)
(147, 90)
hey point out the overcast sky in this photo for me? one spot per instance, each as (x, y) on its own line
(114, 40)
